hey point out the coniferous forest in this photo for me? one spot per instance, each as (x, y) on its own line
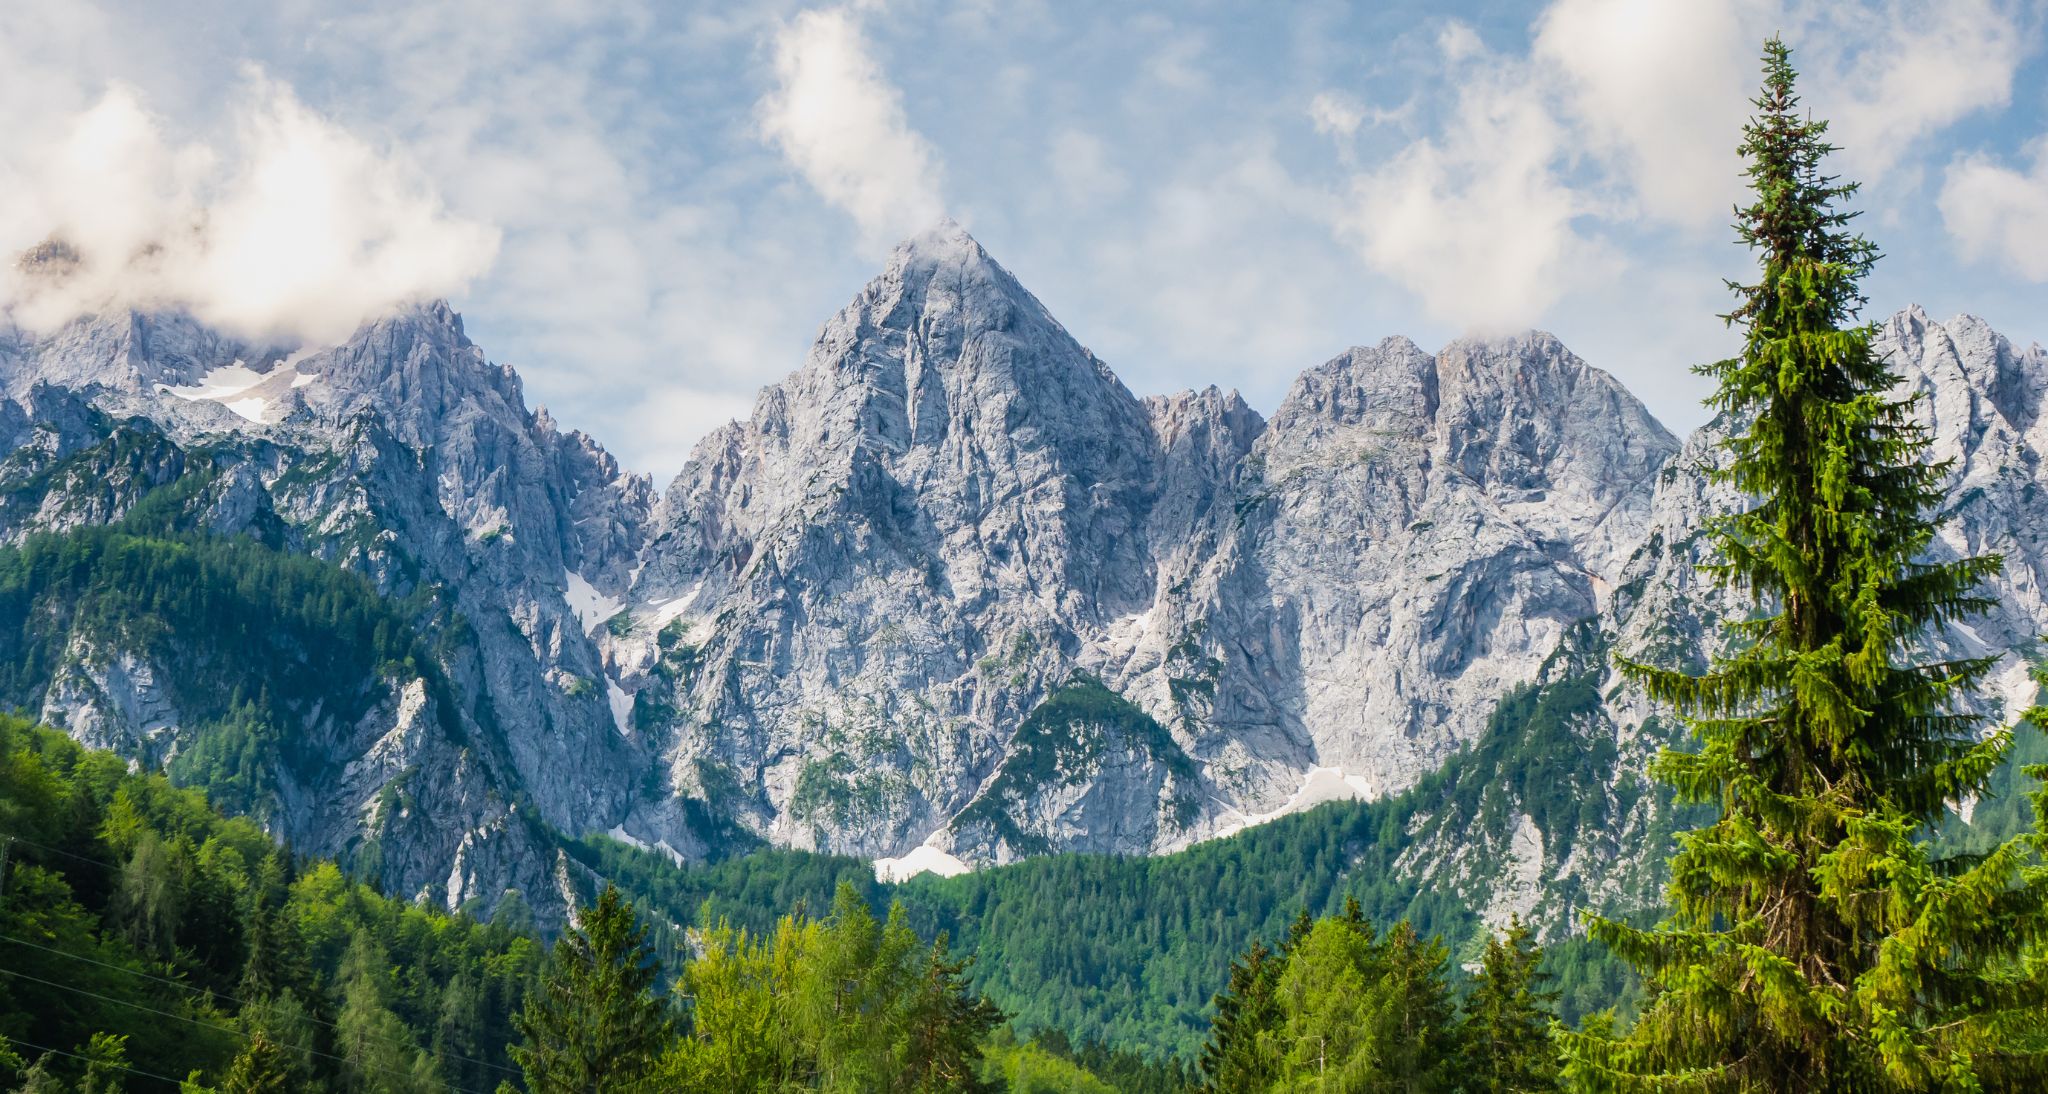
(1827, 924)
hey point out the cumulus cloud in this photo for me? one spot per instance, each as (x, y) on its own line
(295, 229)
(839, 121)
(1627, 113)
(1336, 114)
(1901, 70)
(1995, 213)
(1478, 219)
(1658, 91)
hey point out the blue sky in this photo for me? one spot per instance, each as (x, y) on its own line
(648, 209)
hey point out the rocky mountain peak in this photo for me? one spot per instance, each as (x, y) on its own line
(1388, 386)
(1970, 376)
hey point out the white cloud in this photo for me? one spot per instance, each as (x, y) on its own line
(1627, 113)
(839, 121)
(1336, 114)
(295, 230)
(1996, 213)
(1478, 219)
(1659, 91)
(1081, 164)
(1459, 42)
(1891, 74)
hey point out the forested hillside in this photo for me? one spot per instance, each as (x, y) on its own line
(150, 942)
(145, 933)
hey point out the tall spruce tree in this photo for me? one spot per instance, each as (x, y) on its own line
(1508, 1016)
(1818, 942)
(594, 1023)
(1239, 1054)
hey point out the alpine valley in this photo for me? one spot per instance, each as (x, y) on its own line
(950, 599)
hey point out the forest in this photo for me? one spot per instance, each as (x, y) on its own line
(155, 943)
(1828, 922)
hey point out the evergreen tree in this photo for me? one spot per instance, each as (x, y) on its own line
(378, 1054)
(1238, 1053)
(947, 1024)
(1817, 942)
(594, 1022)
(106, 1064)
(38, 1080)
(1507, 1020)
(262, 1068)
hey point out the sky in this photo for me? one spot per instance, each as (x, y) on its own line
(649, 208)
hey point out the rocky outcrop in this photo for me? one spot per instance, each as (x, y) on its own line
(1979, 398)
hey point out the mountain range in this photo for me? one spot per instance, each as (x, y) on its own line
(950, 597)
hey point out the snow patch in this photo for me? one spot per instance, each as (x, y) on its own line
(246, 393)
(622, 707)
(924, 860)
(1321, 784)
(619, 833)
(665, 610)
(591, 607)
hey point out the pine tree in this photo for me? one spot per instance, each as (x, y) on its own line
(1817, 942)
(594, 1022)
(106, 1064)
(1507, 1020)
(377, 1050)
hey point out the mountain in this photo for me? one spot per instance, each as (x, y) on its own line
(401, 456)
(1593, 834)
(951, 596)
(954, 587)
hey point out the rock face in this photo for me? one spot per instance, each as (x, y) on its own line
(951, 594)
(1409, 538)
(1980, 399)
(405, 456)
(856, 603)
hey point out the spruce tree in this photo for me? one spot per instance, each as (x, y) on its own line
(1239, 1055)
(262, 1068)
(594, 1023)
(1507, 1020)
(1817, 941)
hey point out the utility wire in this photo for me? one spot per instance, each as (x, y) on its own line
(229, 1030)
(224, 997)
(176, 1084)
(239, 1003)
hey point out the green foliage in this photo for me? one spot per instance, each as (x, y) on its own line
(1340, 1007)
(1507, 1019)
(1819, 938)
(1129, 951)
(130, 909)
(841, 1004)
(264, 1067)
(247, 641)
(594, 1022)
(1028, 1068)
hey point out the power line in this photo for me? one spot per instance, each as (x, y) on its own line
(8, 837)
(176, 1084)
(224, 997)
(26, 842)
(229, 1030)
